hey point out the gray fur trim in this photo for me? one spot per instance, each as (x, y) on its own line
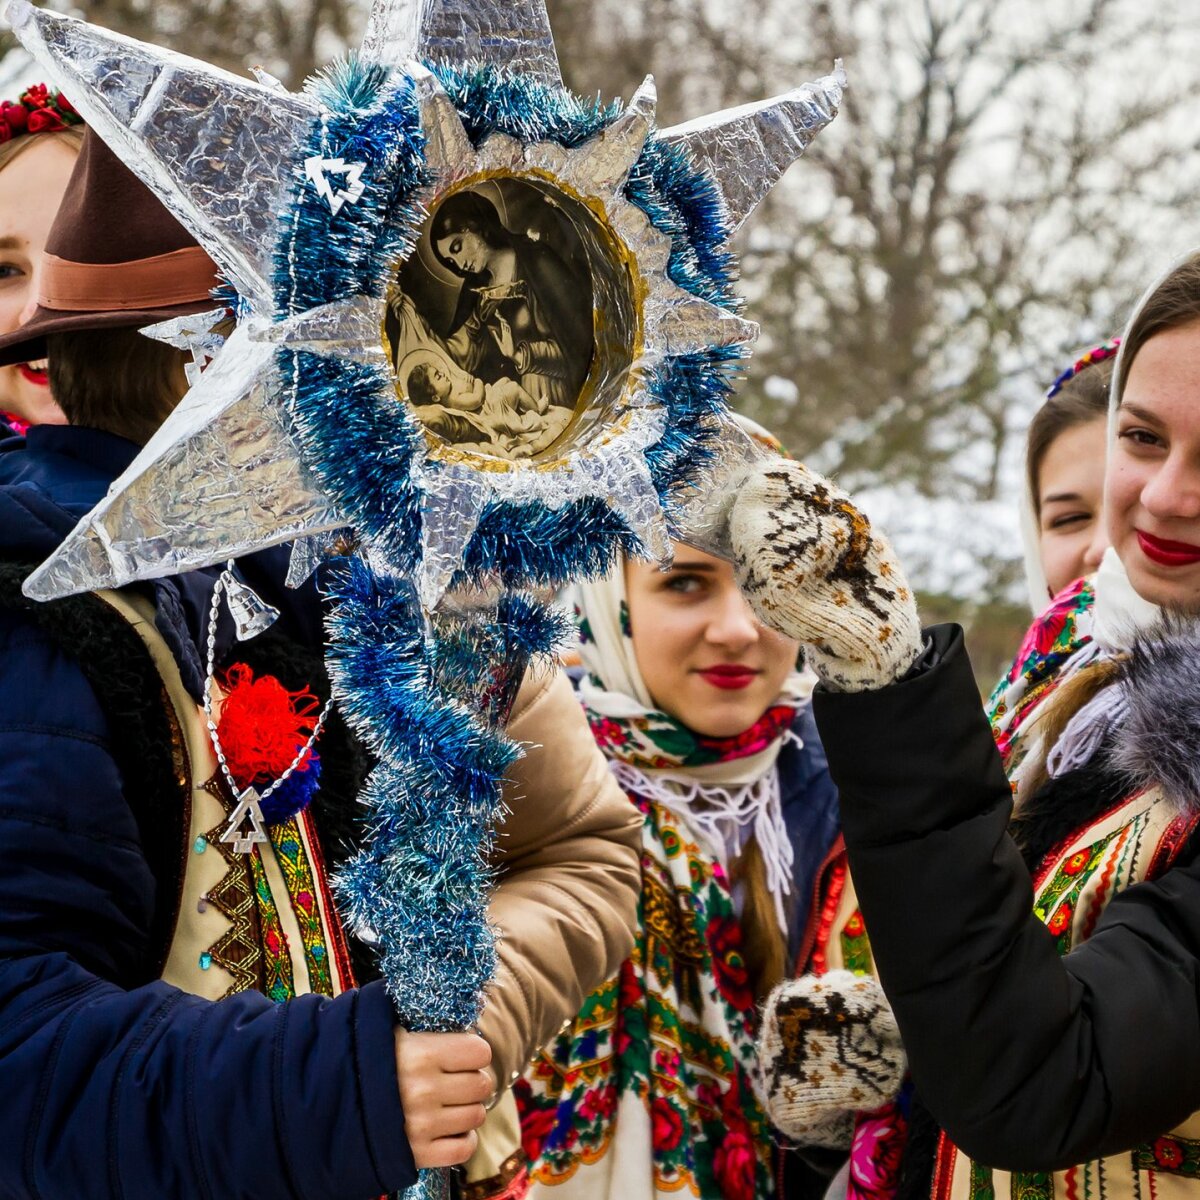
(1159, 742)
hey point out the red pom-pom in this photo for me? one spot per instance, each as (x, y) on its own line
(263, 725)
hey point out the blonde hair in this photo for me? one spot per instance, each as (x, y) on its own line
(72, 136)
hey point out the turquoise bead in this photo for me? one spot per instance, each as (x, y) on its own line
(200, 845)
(205, 961)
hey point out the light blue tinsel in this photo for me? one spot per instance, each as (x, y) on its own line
(419, 883)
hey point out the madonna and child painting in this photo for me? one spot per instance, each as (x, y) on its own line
(490, 321)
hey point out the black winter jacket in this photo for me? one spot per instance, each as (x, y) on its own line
(1028, 1060)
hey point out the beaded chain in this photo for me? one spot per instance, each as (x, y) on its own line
(223, 582)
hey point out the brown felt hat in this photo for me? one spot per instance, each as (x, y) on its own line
(114, 258)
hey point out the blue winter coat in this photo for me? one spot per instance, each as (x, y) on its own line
(809, 800)
(109, 1091)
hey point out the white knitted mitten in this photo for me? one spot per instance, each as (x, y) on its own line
(811, 567)
(829, 1048)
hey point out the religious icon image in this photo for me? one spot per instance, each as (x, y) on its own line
(489, 325)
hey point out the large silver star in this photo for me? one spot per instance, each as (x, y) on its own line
(225, 474)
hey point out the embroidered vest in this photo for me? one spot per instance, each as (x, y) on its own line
(262, 921)
(1135, 841)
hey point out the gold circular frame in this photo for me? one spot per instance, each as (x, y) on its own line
(619, 292)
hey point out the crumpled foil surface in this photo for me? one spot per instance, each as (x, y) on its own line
(225, 475)
(514, 32)
(747, 149)
(224, 481)
(216, 149)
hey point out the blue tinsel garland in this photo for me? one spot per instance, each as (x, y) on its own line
(420, 882)
(360, 440)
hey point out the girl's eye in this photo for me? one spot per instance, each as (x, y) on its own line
(456, 246)
(1066, 520)
(684, 584)
(1140, 437)
(10, 271)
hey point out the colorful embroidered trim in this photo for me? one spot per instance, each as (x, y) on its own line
(1097, 354)
(1171, 1154)
(333, 921)
(239, 949)
(279, 982)
(301, 888)
(856, 947)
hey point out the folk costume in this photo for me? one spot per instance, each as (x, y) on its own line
(651, 1089)
(178, 1017)
(1072, 1103)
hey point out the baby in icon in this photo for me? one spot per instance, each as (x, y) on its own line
(489, 418)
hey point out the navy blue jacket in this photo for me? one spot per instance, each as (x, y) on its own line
(109, 1091)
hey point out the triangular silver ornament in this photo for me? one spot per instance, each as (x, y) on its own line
(248, 809)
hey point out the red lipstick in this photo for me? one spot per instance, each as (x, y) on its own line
(31, 374)
(729, 676)
(1168, 554)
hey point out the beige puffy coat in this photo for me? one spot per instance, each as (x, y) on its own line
(569, 865)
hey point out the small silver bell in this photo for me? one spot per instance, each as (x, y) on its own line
(251, 614)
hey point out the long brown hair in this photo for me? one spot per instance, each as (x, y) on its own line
(1173, 303)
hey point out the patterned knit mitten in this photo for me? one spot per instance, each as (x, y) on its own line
(829, 1048)
(811, 567)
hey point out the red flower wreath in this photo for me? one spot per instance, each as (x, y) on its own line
(37, 110)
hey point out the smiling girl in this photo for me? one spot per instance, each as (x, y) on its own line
(40, 136)
(1064, 477)
(1056, 1042)
(704, 720)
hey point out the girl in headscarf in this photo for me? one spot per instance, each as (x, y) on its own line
(1044, 976)
(1062, 514)
(705, 722)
